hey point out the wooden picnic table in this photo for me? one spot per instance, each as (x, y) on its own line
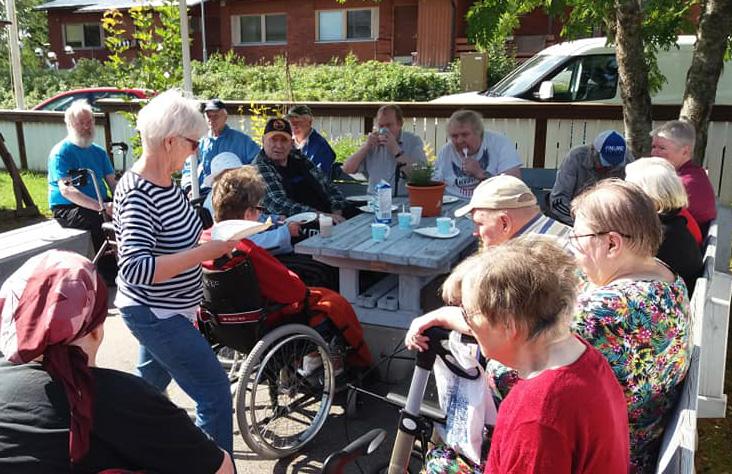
(412, 260)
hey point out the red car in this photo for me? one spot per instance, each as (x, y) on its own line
(63, 100)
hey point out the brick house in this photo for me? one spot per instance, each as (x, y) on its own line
(430, 32)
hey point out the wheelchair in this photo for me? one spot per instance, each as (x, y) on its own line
(284, 375)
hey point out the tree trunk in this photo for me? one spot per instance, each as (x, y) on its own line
(633, 76)
(715, 27)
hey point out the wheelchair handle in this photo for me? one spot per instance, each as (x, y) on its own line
(437, 347)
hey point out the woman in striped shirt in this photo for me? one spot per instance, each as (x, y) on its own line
(159, 281)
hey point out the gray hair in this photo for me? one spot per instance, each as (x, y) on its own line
(467, 117)
(658, 179)
(77, 108)
(680, 132)
(170, 114)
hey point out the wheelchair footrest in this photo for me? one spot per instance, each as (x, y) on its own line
(429, 411)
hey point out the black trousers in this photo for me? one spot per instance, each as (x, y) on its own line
(77, 217)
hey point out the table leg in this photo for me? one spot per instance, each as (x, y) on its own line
(410, 287)
(348, 284)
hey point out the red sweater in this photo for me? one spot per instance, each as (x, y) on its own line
(702, 200)
(572, 419)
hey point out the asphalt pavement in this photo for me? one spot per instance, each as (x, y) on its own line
(119, 351)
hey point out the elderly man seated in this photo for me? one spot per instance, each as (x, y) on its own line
(221, 138)
(584, 166)
(308, 140)
(503, 207)
(294, 184)
(473, 154)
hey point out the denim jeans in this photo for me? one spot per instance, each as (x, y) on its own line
(174, 348)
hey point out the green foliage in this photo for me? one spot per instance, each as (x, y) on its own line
(490, 22)
(345, 146)
(227, 76)
(420, 174)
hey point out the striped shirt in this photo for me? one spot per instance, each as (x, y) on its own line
(541, 224)
(150, 221)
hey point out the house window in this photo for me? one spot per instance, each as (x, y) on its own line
(347, 25)
(253, 29)
(83, 35)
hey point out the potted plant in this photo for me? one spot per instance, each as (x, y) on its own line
(423, 191)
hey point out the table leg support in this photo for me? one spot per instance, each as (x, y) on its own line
(409, 292)
(348, 284)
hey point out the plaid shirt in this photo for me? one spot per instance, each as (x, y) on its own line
(275, 198)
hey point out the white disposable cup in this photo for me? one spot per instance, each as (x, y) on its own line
(325, 223)
(416, 212)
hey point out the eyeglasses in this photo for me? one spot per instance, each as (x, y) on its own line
(261, 208)
(467, 316)
(192, 142)
(574, 238)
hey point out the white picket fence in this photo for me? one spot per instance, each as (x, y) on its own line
(41, 130)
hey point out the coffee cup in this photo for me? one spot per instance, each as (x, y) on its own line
(380, 232)
(445, 225)
(325, 223)
(405, 220)
(416, 213)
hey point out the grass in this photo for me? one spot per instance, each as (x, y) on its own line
(38, 189)
(713, 456)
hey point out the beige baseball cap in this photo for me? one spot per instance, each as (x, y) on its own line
(499, 192)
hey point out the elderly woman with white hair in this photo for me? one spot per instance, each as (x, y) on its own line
(679, 248)
(159, 282)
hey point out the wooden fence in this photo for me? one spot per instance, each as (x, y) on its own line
(543, 133)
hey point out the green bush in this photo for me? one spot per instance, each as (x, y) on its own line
(229, 77)
(346, 146)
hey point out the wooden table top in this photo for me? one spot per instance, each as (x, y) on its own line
(352, 240)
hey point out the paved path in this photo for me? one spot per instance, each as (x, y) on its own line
(119, 351)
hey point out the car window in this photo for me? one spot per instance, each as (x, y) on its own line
(63, 103)
(523, 77)
(586, 78)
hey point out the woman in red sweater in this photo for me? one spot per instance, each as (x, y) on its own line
(567, 412)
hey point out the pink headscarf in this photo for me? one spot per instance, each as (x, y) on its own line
(51, 301)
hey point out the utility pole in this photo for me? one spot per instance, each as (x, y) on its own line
(203, 30)
(14, 46)
(185, 45)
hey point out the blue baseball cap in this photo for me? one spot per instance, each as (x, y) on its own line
(611, 147)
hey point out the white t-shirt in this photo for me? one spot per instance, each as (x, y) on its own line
(496, 155)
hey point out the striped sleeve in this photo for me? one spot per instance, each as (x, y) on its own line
(151, 221)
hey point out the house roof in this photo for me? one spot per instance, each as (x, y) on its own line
(82, 6)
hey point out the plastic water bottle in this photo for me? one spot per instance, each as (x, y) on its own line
(382, 202)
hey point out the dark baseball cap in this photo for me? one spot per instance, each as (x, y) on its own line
(214, 104)
(278, 126)
(299, 111)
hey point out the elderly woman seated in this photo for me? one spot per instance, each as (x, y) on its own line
(634, 309)
(62, 414)
(236, 195)
(679, 248)
(566, 413)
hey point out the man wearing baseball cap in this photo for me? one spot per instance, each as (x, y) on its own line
(503, 207)
(585, 165)
(221, 138)
(294, 183)
(308, 140)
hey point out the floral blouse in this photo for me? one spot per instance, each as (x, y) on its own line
(642, 327)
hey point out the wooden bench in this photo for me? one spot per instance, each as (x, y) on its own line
(702, 393)
(18, 245)
(715, 321)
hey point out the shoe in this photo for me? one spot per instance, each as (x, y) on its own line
(310, 363)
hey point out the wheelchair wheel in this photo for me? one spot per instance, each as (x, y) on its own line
(286, 387)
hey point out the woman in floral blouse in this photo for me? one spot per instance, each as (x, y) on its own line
(634, 310)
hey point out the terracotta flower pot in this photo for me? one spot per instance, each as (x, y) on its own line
(429, 197)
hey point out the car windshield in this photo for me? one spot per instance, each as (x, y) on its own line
(525, 76)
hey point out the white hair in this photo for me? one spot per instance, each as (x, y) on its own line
(71, 118)
(170, 114)
(658, 179)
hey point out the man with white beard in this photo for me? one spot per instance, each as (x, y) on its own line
(77, 206)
